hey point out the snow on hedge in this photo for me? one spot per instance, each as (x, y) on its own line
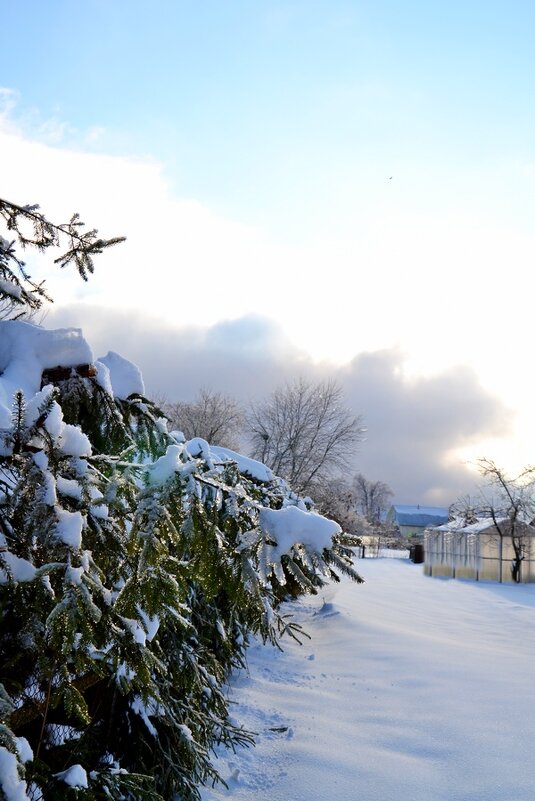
(125, 376)
(75, 776)
(13, 787)
(246, 465)
(291, 525)
(15, 566)
(27, 349)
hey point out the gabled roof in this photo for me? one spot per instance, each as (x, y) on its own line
(421, 516)
(486, 525)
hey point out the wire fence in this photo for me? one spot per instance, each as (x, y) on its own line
(378, 552)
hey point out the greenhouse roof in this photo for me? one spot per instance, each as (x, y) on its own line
(484, 524)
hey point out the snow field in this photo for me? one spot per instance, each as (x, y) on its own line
(411, 689)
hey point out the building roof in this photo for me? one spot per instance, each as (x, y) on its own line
(420, 516)
(485, 525)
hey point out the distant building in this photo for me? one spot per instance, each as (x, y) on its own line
(489, 550)
(413, 520)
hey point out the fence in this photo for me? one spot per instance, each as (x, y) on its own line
(378, 552)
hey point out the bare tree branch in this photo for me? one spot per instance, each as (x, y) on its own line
(372, 498)
(217, 418)
(304, 432)
(509, 503)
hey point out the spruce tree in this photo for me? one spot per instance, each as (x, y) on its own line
(134, 568)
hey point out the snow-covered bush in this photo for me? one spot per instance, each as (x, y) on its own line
(134, 566)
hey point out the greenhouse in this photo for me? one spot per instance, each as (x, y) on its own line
(485, 550)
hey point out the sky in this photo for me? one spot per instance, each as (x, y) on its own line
(307, 188)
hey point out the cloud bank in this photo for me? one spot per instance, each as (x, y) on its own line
(415, 427)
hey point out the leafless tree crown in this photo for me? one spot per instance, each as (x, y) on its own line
(371, 497)
(214, 416)
(504, 496)
(304, 432)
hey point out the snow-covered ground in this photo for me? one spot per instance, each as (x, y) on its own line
(411, 689)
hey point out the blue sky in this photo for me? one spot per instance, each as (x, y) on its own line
(275, 110)
(325, 179)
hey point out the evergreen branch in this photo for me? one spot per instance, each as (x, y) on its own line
(10, 211)
(34, 709)
(83, 245)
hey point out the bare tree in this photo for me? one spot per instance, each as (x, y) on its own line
(335, 498)
(372, 498)
(304, 433)
(467, 509)
(511, 506)
(217, 418)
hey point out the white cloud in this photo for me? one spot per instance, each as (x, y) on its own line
(446, 285)
(181, 261)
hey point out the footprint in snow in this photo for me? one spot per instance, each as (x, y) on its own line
(327, 610)
(235, 773)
